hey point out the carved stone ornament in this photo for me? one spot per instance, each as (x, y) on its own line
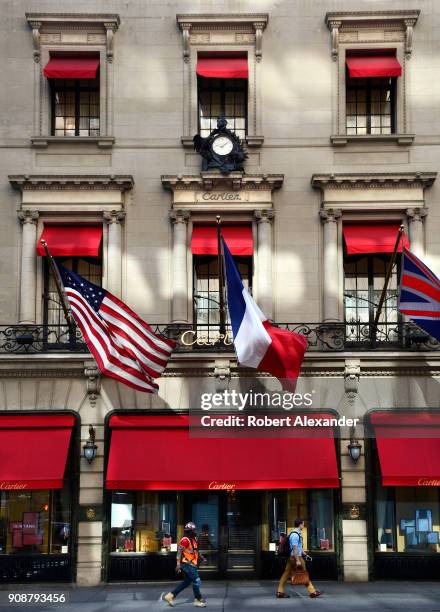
(247, 27)
(21, 182)
(404, 21)
(114, 216)
(93, 383)
(222, 375)
(352, 373)
(371, 180)
(222, 149)
(66, 21)
(28, 216)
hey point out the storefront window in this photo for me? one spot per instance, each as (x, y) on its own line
(143, 521)
(36, 521)
(321, 520)
(408, 519)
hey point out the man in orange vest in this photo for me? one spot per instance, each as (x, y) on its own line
(187, 562)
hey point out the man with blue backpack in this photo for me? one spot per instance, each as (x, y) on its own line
(292, 549)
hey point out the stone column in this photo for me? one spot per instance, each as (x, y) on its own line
(28, 278)
(415, 220)
(114, 219)
(265, 246)
(179, 304)
(329, 218)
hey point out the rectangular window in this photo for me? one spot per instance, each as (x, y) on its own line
(53, 316)
(364, 278)
(143, 521)
(37, 521)
(206, 291)
(370, 105)
(75, 107)
(408, 519)
(222, 97)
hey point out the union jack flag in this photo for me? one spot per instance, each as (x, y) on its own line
(419, 297)
(124, 346)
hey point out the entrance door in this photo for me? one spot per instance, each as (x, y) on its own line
(227, 529)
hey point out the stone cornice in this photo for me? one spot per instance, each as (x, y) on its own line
(371, 180)
(207, 181)
(222, 20)
(359, 17)
(77, 18)
(24, 182)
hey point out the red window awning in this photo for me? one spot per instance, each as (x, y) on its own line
(80, 66)
(361, 66)
(223, 67)
(33, 451)
(71, 240)
(238, 238)
(408, 444)
(154, 453)
(363, 238)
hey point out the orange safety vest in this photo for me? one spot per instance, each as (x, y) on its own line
(190, 553)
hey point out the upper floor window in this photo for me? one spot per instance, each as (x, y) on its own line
(206, 273)
(371, 94)
(75, 97)
(222, 82)
(368, 249)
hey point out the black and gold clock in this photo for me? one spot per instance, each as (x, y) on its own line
(222, 149)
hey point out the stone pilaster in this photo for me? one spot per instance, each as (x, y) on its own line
(415, 219)
(179, 305)
(264, 220)
(329, 218)
(28, 279)
(114, 220)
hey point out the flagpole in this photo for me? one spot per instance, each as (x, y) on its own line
(59, 285)
(221, 278)
(387, 280)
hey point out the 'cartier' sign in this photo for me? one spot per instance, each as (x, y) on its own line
(191, 338)
(12, 486)
(427, 482)
(223, 486)
(221, 196)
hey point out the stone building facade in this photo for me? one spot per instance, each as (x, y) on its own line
(115, 151)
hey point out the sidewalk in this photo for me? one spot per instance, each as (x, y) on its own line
(237, 595)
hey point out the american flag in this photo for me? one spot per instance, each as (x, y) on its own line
(419, 297)
(124, 346)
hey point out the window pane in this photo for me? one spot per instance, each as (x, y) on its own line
(321, 520)
(385, 519)
(24, 521)
(417, 519)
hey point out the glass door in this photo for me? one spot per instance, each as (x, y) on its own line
(203, 509)
(241, 531)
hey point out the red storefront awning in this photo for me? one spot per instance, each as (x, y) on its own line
(238, 238)
(158, 453)
(80, 66)
(33, 451)
(71, 240)
(408, 444)
(364, 66)
(364, 238)
(223, 67)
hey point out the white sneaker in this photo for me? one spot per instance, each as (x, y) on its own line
(200, 603)
(169, 598)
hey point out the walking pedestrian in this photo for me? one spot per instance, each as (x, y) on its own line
(295, 561)
(188, 558)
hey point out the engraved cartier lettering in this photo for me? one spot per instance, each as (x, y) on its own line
(221, 196)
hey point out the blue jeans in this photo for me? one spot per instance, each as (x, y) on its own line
(190, 576)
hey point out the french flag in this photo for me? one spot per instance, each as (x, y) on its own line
(258, 344)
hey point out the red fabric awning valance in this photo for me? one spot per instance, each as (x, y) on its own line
(80, 66)
(363, 238)
(71, 240)
(223, 67)
(238, 238)
(33, 451)
(408, 444)
(238, 463)
(361, 66)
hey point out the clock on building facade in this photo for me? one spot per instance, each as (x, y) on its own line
(221, 150)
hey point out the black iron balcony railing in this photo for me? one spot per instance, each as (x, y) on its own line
(327, 336)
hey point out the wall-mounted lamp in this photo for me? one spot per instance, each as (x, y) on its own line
(354, 450)
(90, 448)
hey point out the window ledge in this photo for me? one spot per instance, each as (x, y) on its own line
(42, 142)
(340, 140)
